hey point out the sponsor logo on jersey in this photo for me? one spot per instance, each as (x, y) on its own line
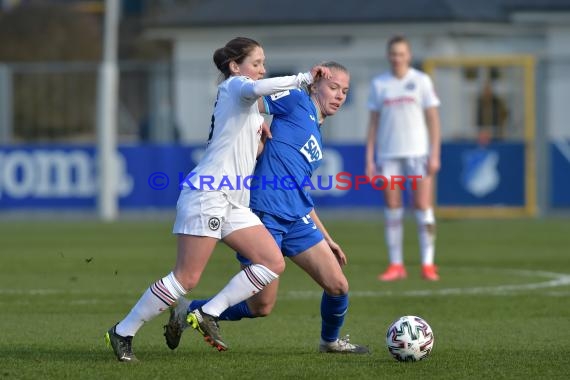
(279, 95)
(399, 101)
(311, 150)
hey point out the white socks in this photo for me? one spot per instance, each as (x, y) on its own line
(163, 293)
(157, 298)
(243, 285)
(426, 234)
(394, 233)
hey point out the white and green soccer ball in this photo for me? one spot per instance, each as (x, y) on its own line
(409, 338)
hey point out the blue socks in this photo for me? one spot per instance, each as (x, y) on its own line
(333, 310)
(232, 313)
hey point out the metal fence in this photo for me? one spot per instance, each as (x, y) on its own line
(56, 102)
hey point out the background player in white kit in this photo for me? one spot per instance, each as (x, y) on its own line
(205, 216)
(404, 139)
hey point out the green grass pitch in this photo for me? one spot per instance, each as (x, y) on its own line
(501, 310)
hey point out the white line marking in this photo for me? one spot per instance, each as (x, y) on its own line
(555, 280)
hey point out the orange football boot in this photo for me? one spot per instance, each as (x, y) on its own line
(393, 273)
(429, 272)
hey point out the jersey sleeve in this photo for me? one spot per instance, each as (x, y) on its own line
(251, 90)
(283, 102)
(373, 102)
(429, 97)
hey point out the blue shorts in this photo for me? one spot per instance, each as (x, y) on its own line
(293, 237)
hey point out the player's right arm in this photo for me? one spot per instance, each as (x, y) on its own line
(254, 89)
(265, 134)
(373, 120)
(335, 248)
(434, 133)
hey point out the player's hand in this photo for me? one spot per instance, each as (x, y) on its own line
(433, 165)
(265, 132)
(337, 250)
(320, 71)
(370, 170)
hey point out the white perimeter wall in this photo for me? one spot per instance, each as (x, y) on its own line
(362, 49)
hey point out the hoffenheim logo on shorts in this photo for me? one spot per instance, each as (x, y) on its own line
(214, 223)
(311, 150)
(410, 86)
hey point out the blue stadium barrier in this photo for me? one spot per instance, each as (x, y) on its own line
(64, 176)
(560, 174)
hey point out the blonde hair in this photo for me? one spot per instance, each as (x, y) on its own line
(331, 65)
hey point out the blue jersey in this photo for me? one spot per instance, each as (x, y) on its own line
(289, 159)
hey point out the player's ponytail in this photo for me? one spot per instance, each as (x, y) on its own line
(235, 50)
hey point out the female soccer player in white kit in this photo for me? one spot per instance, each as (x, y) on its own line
(404, 139)
(207, 214)
(294, 152)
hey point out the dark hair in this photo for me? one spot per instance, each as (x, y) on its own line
(398, 38)
(235, 50)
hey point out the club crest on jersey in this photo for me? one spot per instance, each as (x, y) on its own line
(311, 150)
(279, 95)
(410, 86)
(214, 223)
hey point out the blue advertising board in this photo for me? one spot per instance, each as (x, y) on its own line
(560, 174)
(48, 177)
(64, 177)
(474, 175)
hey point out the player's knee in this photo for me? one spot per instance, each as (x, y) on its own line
(421, 204)
(394, 203)
(277, 265)
(337, 287)
(189, 280)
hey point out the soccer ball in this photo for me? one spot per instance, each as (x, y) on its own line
(409, 339)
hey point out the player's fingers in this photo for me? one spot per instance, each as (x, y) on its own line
(321, 71)
(265, 130)
(326, 72)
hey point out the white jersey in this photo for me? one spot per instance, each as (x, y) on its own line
(402, 129)
(234, 136)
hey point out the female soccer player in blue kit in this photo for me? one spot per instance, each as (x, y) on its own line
(205, 216)
(294, 152)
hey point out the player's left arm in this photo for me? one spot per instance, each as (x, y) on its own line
(431, 103)
(335, 248)
(265, 130)
(265, 134)
(434, 132)
(261, 106)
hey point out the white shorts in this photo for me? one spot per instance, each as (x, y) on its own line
(403, 166)
(209, 213)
